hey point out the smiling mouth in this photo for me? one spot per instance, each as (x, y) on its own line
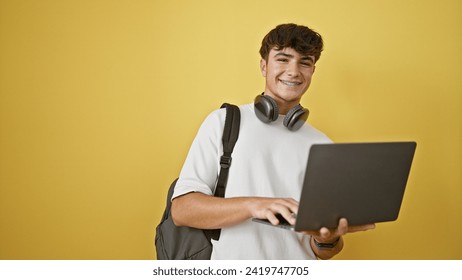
(290, 83)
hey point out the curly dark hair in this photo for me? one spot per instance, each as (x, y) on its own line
(301, 38)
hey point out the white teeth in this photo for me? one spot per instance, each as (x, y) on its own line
(287, 83)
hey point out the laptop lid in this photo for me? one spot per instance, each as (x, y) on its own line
(363, 182)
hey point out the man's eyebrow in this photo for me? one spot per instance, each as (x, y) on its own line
(310, 58)
(284, 54)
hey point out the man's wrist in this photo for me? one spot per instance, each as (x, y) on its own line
(326, 245)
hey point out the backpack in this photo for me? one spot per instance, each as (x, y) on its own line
(186, 243)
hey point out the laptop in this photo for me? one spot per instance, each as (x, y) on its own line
(363, 182)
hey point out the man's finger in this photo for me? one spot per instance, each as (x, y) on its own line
(361, 227)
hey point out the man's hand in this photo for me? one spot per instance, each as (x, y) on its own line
(325, 235)
(268, 208)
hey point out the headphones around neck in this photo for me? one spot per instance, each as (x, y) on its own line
(267, 111)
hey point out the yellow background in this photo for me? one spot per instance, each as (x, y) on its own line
(100, 100)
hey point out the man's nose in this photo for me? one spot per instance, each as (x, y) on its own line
(293, 69)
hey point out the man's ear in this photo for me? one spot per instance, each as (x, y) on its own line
(263, 67)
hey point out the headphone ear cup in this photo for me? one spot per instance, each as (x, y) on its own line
(296, 117)
(266, 108)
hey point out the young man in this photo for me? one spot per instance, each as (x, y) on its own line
(268, 166)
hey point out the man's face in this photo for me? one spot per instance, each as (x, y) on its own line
(288, 75)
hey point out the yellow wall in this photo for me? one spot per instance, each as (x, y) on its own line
(100, 100)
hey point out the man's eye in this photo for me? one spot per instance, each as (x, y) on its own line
(282, 60)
